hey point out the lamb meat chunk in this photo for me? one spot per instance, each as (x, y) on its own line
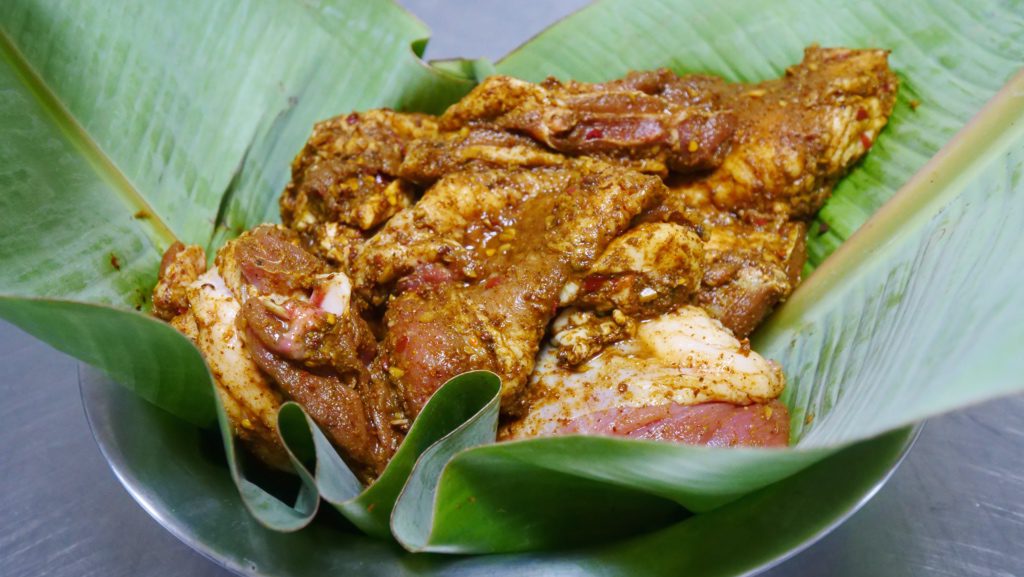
(306, 331)
(681, 377)
(479, 146)
(750, 263)
(709, 424)
(249, 398)
(180, 266)
(454, 216)
(437, 334)
(649, 270)
(345, 181)
(496, 319)
(336, 399)
(750, 269)
(640, 118)
(274, 324)
(582, 334)
(797, 135)
(269, 260)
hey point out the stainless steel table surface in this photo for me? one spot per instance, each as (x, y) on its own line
(955, 507)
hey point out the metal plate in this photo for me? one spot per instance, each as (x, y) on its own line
(177, 474)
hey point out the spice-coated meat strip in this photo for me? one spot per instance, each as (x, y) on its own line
(795, 137)
(681, 377)
(443, 325)
(345, 181)
(798, 134)
(657, 117)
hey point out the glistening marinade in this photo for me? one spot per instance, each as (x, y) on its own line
(604, 248)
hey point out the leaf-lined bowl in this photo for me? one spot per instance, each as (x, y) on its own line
(181, 125)
(168, 468)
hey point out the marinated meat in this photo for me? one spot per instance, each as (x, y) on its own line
(205, 310)
(683, 377)
(180, 266)
(649, 270)
(649, 118)
(552, 225)
(797, 135)
(418, 248)
(458, 213)
(749, 265)
(274, 324)
(345, 181)
(581, 334)
(478, 146)
(645, 272)
(711, 424)
(305, 330)
(249, 399)
(749, 269)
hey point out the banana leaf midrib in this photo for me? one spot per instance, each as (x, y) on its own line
(159, 233)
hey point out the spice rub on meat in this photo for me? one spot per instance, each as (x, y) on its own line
(345, 181)
(479, 146)
(448, 225)
(652, 121)
(604, 248)
(681, 377)
(795, 137)
(490, 307)
(750, 262)
(273, 324)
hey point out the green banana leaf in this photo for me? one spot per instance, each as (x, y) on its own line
(180, 123)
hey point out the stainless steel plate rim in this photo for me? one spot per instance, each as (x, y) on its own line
(94, 398)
